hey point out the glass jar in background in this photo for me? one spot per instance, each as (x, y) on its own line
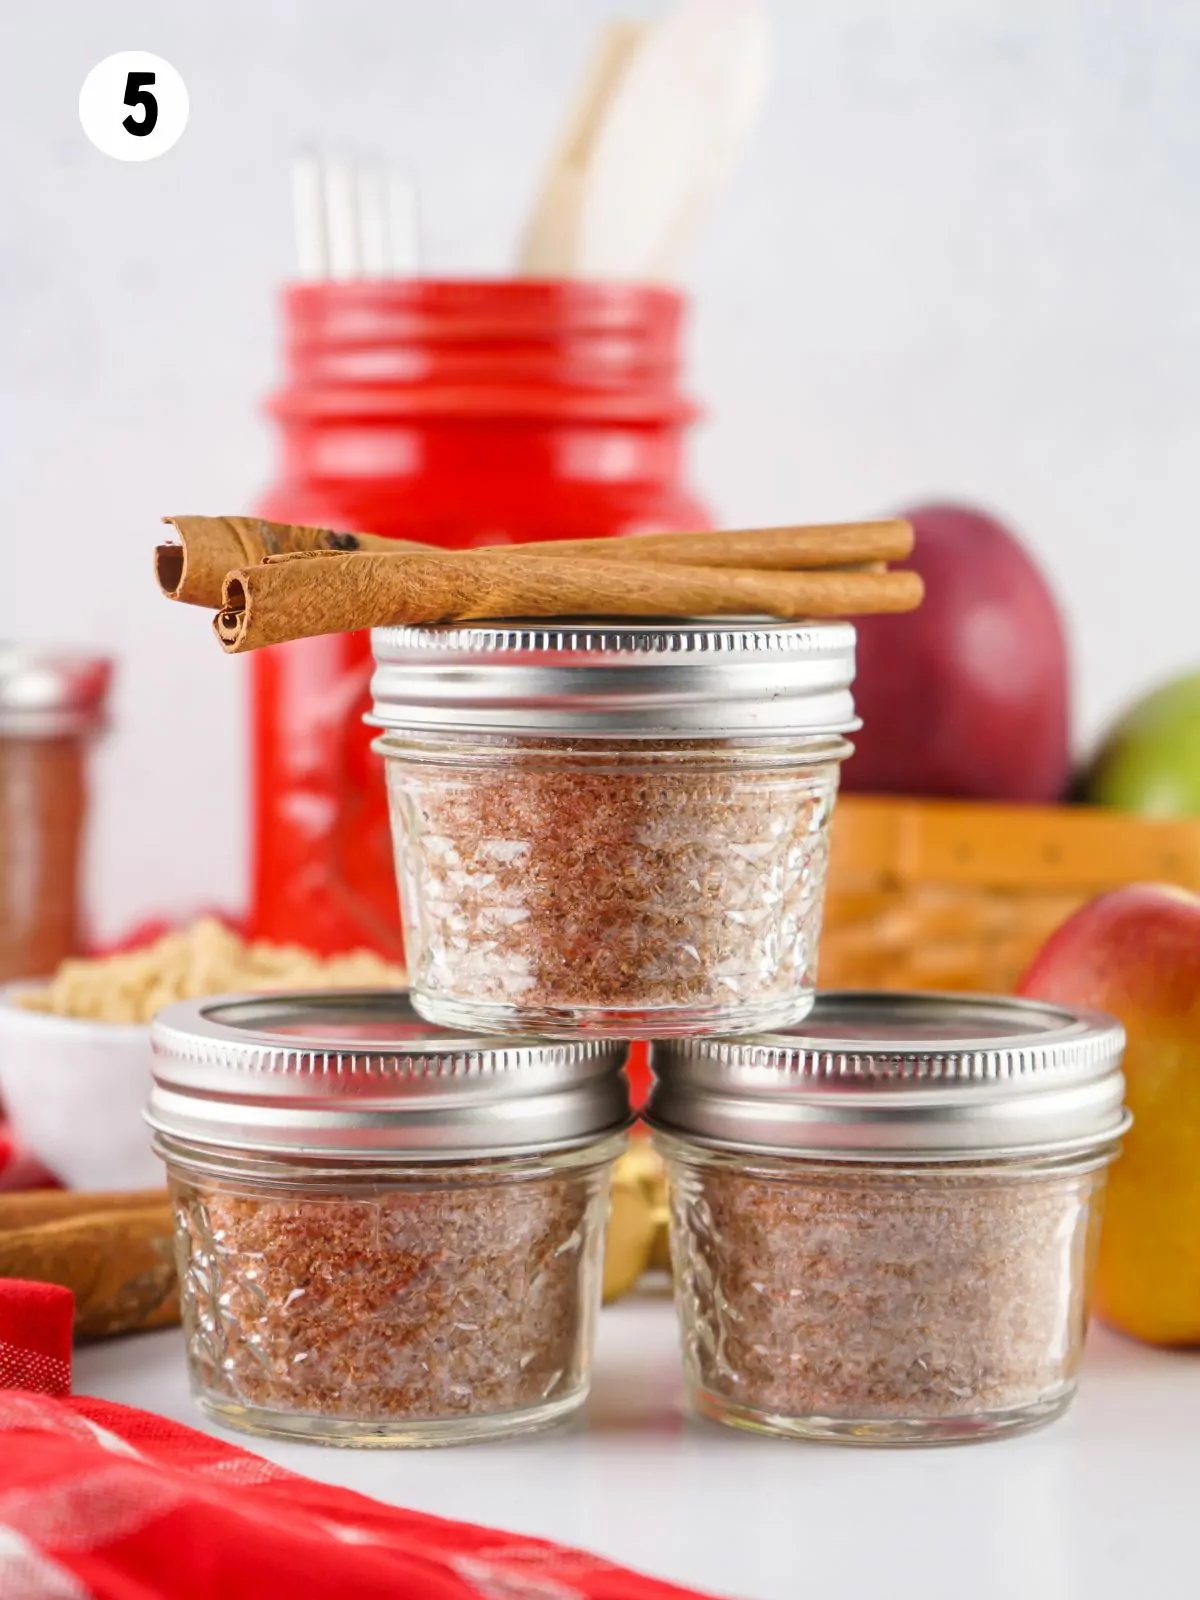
(884, 1223)
(386, 1234)
(51, 705)
(460, 414)
(613, 828)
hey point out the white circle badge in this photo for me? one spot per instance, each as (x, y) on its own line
(133, 105)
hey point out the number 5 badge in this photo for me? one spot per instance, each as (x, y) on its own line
(133, 106)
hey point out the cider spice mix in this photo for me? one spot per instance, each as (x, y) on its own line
(613, 828)
(386, 1233)
(884, 1220)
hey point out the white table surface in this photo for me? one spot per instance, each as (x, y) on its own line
(1104, 1503)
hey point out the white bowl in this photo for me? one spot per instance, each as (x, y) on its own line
(73, 1093)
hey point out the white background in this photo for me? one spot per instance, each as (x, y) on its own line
(962, 258)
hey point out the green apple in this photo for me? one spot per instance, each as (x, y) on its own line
(1150, 762)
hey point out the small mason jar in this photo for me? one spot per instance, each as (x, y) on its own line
(386, 1234)
(884, 1223)
(613, 828)
(52, 706)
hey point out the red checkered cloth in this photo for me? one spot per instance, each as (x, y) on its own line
(101, 1502)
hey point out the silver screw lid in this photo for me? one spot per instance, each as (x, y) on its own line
(360, 1076)
(630, 679)
(901, 1078)
(45, 693)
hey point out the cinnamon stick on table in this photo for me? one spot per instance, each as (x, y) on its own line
(194, 571)
(29, 1208)
(113, 1251)
(295, 597)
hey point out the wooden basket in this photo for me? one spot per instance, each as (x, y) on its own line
(929, 894)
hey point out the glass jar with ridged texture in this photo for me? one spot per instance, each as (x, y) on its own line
(613, 828)
(386, 1234)
(884, 1223)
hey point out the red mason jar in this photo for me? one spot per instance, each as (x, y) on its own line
(460, 413)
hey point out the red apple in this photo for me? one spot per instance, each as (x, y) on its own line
(966, 697)
(1136, 954)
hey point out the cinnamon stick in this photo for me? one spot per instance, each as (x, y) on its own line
(194, 570)
(117, 1259)
(785, 549)
(28, 1208)
(294, 598)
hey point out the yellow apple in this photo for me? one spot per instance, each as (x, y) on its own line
(1136, 954)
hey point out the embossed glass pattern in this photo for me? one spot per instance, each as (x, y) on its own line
(884, 1220)
(881, 1304)
(611, 886)
(418, 1305)
(387, 1233)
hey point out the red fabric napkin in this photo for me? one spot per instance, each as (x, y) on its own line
(102, 1502)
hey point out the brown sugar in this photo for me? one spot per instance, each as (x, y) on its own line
(869, 1295)
(206, 958)
(634, 877)
(433, 1300)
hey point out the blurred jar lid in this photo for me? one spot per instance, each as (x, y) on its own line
(45, 692)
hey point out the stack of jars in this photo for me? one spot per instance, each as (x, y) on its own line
(391, 1208)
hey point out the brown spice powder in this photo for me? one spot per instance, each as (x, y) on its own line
(884, 1296)
(417, 1303)
(42, 798)
(654, 880)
